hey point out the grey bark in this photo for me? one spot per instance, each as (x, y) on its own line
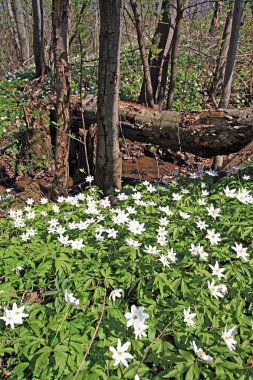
(38, 37)
(61, 27)
(169, 17)
(235, 29)
(21, 30)
(147, 98)
(108, 158)
(218, 75)
(162, 40)
(13, 29)
(174, 52)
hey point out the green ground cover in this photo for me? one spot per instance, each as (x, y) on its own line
(153, 283)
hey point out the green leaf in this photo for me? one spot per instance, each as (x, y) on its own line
(190, 373)
(60, 360)
(19, 369)
(230, 365)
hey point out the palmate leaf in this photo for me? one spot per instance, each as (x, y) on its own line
(60, 358)
(98, 370)
(41, 361)
(18, 370)
(163, 292)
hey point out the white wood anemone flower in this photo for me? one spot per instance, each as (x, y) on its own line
(139, 329)
(116, 293)
(137, 314)
(120, 355)
(200, 353)
(188, 317)
(241, 252)
(217, 291)
(217, 271)
(228, 335)
(69, 298)
(14, 316)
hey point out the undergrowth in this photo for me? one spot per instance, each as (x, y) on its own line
(154, 282)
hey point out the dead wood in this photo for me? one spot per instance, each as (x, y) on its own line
(207, 133)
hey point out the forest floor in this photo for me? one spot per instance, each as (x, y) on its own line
(137, 165)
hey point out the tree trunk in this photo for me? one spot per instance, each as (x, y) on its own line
(162, 41)
(108, 158)
(206, 133)
(60, 26)
(215, 18)
(38, 38)
(13, 29)
(175, 44)
(235, 29)
(21, 30)
(147, 96)
(218, 75)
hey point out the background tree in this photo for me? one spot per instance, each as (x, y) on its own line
(60, 27)
(228, 75)
(108, 157)
(215, 17)
(174, 53)
(159, 54)
(218, 74)
(13, 28)
(147, 95)
(38, 37)
(21, 31)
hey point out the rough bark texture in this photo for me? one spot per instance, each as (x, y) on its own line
(215, 18)
(162, 40)
(218, 75)
(108, 157)
(60, 22)
(241, 156)
(206, 133)
(235, 29)
(13, 29)
(175, 45)
(147, 95)
(21, 29)
(38, 38)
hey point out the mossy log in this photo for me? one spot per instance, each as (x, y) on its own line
(207, 133)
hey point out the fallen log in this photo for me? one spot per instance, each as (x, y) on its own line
(207, 133)
(240, 157)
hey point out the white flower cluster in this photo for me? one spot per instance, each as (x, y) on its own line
(243, 195)
(136, 318)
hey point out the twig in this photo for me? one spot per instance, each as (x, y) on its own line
(72, 38)
(92, 339)
(82, 112)
(153, 342)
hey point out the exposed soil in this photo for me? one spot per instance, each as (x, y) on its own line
(139, 164)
